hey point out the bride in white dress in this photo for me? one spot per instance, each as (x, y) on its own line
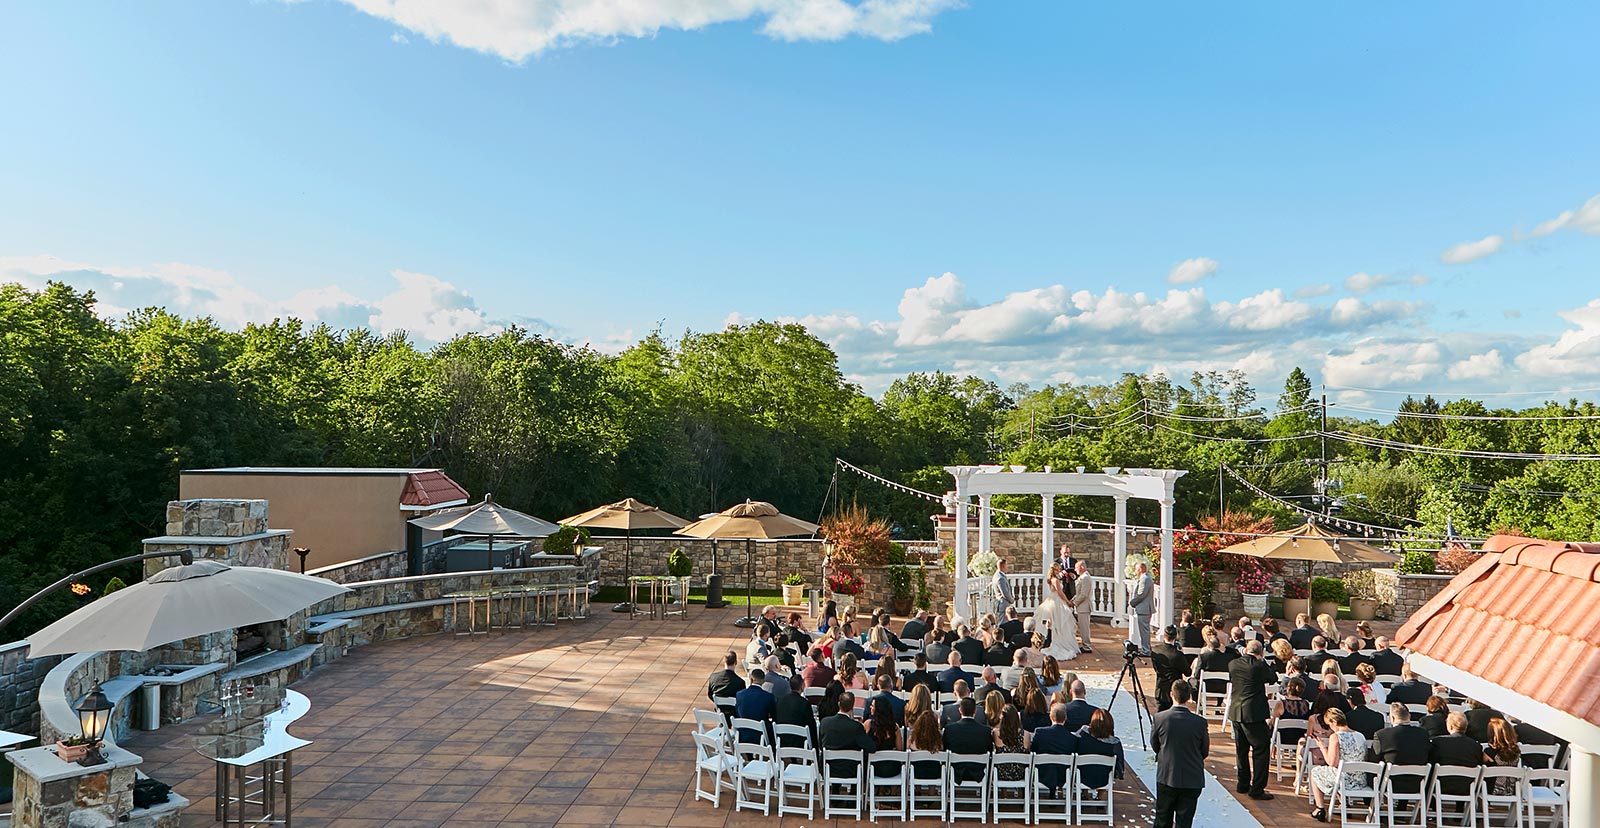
(1063, 622)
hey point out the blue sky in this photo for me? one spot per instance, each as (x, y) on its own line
(1004, 187)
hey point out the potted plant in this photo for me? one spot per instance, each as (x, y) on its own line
(680, 565)
(1416, 562)
(924, 595)
(900, 594)
(1362, 587)
(844, 585)
(1253, 583)
(73, 748)
(1296, 599)
(1326, 596)
(1201, 587)
(794, 589)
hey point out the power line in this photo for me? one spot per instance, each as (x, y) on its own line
(1446, 394)
(1440, 451)
(1429, 415)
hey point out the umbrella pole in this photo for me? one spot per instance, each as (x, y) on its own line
(749, 619)
(627, 568)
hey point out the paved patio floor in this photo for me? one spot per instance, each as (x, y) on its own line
(586, 724)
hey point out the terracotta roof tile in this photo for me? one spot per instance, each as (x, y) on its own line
(430, 488)
(1525, 616)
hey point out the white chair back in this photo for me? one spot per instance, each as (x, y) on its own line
(1357, 793)
(843, 796)
(1046, 809)
(969, 798)
(1098, 807)
(800, 732)
(888, 795)
(1547, 796)
(712, 759)
(929, 795)
(798, 780)
(1468, 815)
(1511, 804)
(1011, 798)
(1411, 806)
(743, 729)
(757, 777)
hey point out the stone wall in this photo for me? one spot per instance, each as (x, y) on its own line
(371, 568)
(20, 678)
(774, 560)
(1022, 548)
(1412, 591)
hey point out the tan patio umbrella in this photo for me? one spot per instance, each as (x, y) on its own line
(182, 602)
(1311, 543)
(489, 519)
(627, 515)
(752, 520)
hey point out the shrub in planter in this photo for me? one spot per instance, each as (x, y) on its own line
(1296, 589)
(794, 586)
(679, 564)
(900, 593)
(1362, 587)
(1328, 591)
(1416, 562)
(924, 595)
(561, 542)
(1201, 587)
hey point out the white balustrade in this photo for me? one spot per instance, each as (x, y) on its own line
(1030, 593)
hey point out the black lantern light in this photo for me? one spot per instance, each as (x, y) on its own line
(302, 551)
(94, 716)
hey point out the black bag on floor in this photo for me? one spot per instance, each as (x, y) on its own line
(147, 792)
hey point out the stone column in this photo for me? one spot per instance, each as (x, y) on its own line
(1164, 611)
(50, 793)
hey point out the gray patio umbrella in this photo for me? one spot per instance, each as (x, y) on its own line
(489, 519)
(182, 602)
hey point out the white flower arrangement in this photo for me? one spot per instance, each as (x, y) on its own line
(1130, 566)
(983, 564)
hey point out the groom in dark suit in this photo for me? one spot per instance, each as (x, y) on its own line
(1181, 741)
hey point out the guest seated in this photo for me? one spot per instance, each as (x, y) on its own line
(793, 708)
(887, 665)
(781, 651)
(1019, 662)
(1303, 633)
(1279, 654)
(1190, 633)
(1459, 749)
(1050, 675)
(1342, 744)
(967, 736)
(971, 649)
(847, 643)
(916, 627)
(1319, 655)
(725, 683)
(1058, 739)
(950, 675)
(830, 617)
(919, 675)
(754, 702)
(1009, 737)
(1370, 687)
(1329, 628)
(777, 682)
(1331, 672)
(952, 710)
(885, 697)
(1385, 660)
(885, 733)
(1292, 706)
(850, 673)
(1364, 634)
(825, 641)
(991, 684)
(994, 711)
(935, 649)
(1436, 721)
(926, 735)
(817, 673)
(1079, 710)
(1478, 716)
(1012, 626)
(997, 654)
(836, 730)
(1363, 719)
(1409, 689)
(1502, 752)
(1214, 659)
(795, 628)
(1401, 743)
(1269, 628)
(1031, 705)
(1352, 657)
(921, 701)
(942, 629)
(1098, 738)
(760, 646)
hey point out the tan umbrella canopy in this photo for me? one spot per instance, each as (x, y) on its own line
(1311, 543)
(627, 515)
(751, 520)
(182, 602)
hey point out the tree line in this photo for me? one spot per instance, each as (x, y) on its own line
(98, 417)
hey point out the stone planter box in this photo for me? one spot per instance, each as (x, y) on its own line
(1255, 605)
(1330, 608)
(794, 596)
(1363, 609)
(1295, 606)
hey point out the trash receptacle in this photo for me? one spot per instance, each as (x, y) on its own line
(714, 591)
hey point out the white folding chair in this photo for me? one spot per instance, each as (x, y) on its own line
(1547, 752)
(1547, 797)
(799, 778)
(928, 794)
(725, 703)
(814, 692)
(1509, 806)
(800, 732)
(1439, 799)
(757, 777)
(1213, 702)
(842, 795)
(1089, 809)
(1044, 806)
(1011, 797)
(1359, 798)
(740, 726)
(710, 723)
(711, 757)
(1286, 744)
(1414, 806)
(888, 795)
(972, 792)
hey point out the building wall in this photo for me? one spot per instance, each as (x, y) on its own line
(338, 517)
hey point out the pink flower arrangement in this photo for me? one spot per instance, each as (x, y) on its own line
(1252, 580)
(845, 582)
(1296, 589)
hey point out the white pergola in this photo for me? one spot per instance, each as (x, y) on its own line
(1121, 484)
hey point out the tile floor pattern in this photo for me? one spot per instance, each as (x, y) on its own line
(585, 724)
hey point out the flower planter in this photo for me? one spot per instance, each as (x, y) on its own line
(1363, 609)
(1295, 606)
(1255, 604)
(794, 595)
(71, 753)
(900, 606)
(1329, 608)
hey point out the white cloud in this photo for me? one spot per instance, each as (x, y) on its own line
(427, 307)
(519, 29)
(1576, 353)
(1313, 291)
(1189, 271)
(1585, 219)
(1365, 282)
(1511, 313)
(1478, 366)
(1472, 251)
(1378, 362)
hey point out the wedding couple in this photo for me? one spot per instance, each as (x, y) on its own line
(1059, 610)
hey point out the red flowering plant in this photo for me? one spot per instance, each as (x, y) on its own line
(845, 582)
(1252, 580)
(1296, 589)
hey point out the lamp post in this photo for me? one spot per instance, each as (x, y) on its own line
(303, 552)
(94, 716)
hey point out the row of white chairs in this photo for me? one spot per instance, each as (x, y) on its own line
(1539, 797)
(918, 784)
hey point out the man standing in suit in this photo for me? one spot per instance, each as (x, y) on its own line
(1058, 739)
(837, 731)
(1385, 660)
(725, 683)
(1003, 597)
(1083, 605)
(1181, 741)
(1140, 605)
(754, 702)
(1459, 749)
(1402, 743)
(1167, 660)
(965, 736)
(917, 627)
(1302, 634)
(1248, 710)
(1067, 561)
(793, 708)
(952, 674)
(1079, 710)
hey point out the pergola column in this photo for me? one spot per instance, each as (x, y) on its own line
(1585, 787)
(1119, 545)
(1047, 530)
(961, 547)
(983, 523)
(1164, 609)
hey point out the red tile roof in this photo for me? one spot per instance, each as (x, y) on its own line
(1525, 616)
(431, 488)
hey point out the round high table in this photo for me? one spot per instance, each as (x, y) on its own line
(251, 733)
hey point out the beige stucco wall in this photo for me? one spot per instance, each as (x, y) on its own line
(338, 517)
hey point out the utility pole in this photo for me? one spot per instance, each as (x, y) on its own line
(1322, 461)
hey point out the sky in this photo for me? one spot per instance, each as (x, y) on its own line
(1399, 197)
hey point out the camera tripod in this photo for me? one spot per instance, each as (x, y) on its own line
(1136, 690)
